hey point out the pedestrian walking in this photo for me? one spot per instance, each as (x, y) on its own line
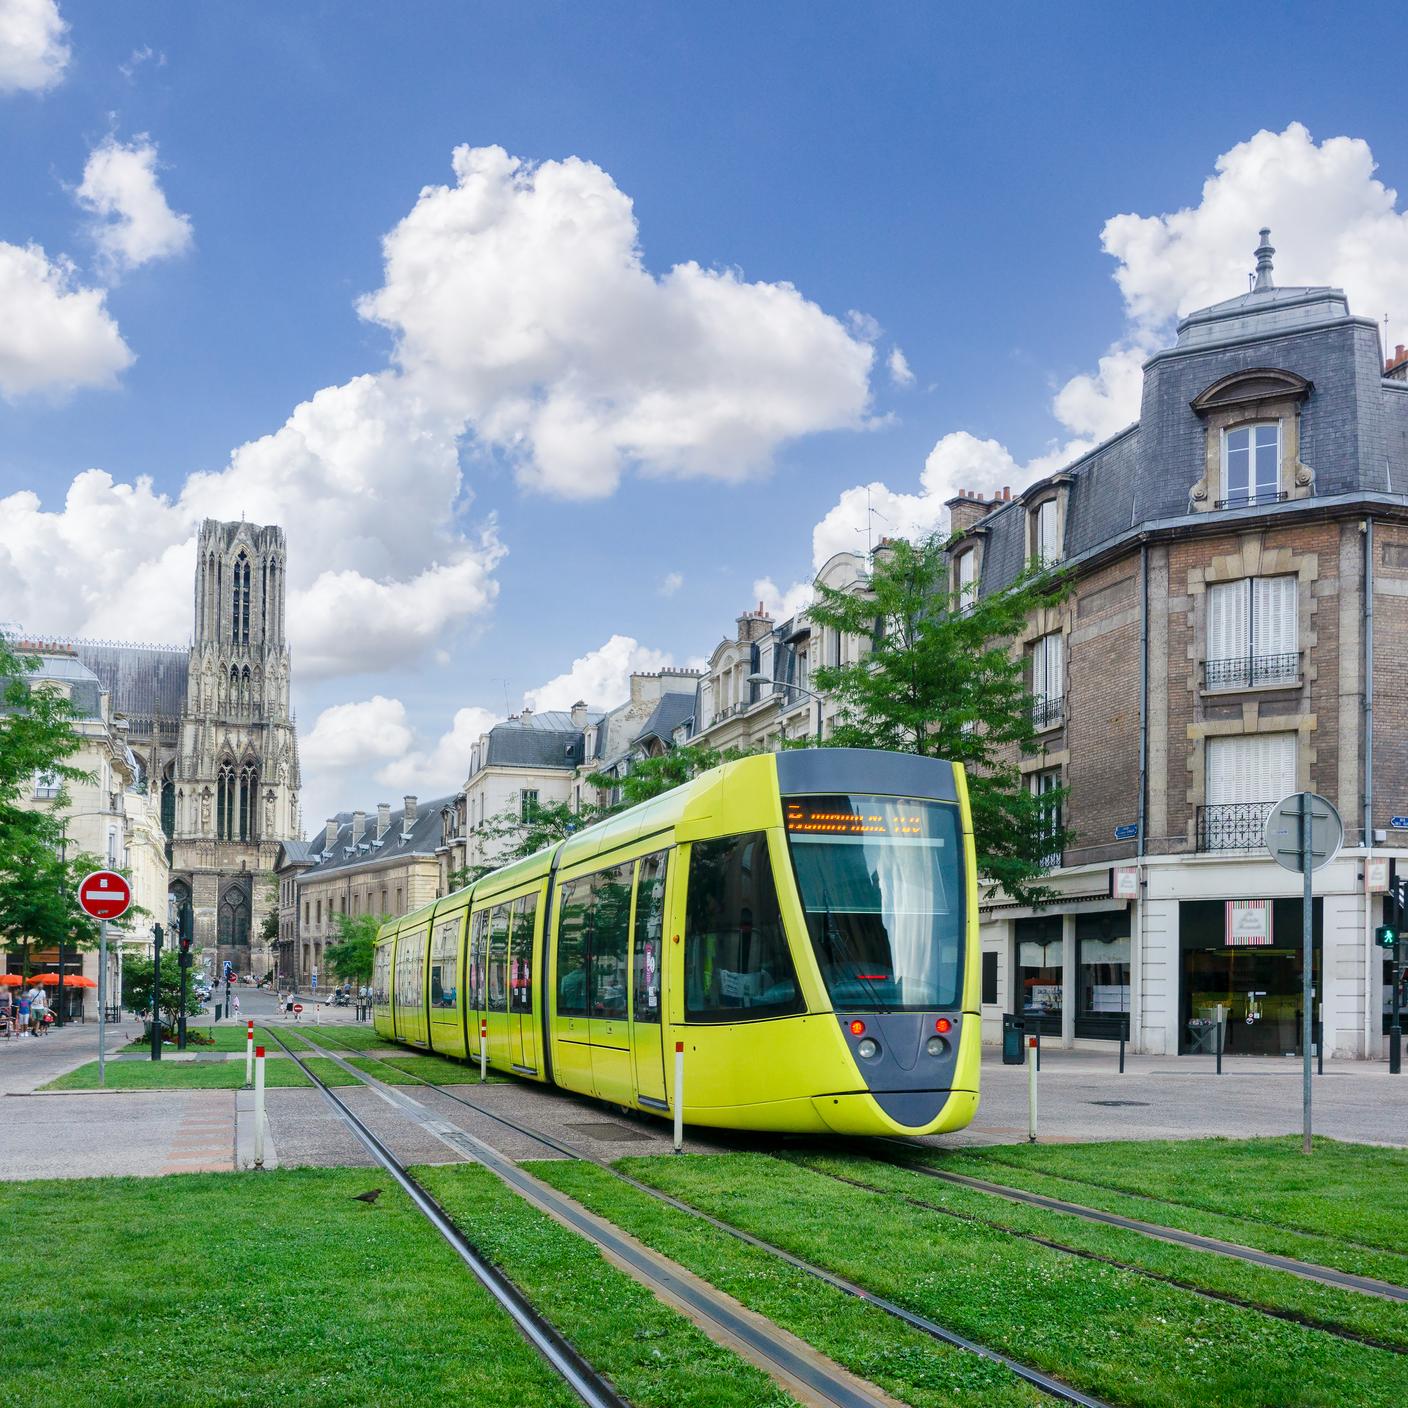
(235, 1004)
(25, 1013)
(38, 1007)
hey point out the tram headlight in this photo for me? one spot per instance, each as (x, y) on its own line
(936, 1046)
(868, 1049)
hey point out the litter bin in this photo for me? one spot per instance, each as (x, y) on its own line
(1014, 1045)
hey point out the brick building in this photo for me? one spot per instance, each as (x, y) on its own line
(1237, 631)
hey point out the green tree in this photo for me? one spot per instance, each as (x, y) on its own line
(137, 988)
(349, 956)
(942, 679)
(649, 777)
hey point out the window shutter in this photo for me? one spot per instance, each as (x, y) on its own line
(1046, 667)
(1055, 672)
(1274, 616)
(1229, 627)
(1258, 767)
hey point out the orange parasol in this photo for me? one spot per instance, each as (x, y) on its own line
(49, 980)
(79, 981)
(11, 980)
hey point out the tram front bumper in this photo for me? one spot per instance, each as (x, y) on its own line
(912, 1112)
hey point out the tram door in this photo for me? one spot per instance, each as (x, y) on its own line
(647, 972)
(523, 1045)
(496, 985)
(609, 947)
(474, 977)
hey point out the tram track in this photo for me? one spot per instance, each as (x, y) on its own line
(1049, 1384)
(1307, 1270)
(1192, 1287)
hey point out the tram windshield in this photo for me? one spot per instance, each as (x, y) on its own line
(881, 881)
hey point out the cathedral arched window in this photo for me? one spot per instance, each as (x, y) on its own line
(168, 805)
(248, 801)
(239, 599)
(233, 924)
(225, 802)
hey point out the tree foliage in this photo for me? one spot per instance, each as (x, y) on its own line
(942, 679)
(137, 987)
(349, 956)
(649, 777)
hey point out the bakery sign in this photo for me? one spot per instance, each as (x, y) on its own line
(1248, 923)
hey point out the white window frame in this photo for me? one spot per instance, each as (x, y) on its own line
(1254, 493)
(1253, 632)
(1048, 675)
(46, 785)
(1048, 780)
(1046, 531)
(527, 796)
(965, 575)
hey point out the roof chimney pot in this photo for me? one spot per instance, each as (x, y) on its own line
(383, 819)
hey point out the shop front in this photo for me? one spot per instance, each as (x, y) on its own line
(1102, 974)
(1041, 979)
(1243, 956)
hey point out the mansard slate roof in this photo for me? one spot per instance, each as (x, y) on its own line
(1353, 425)
(549, 740)
(423, 839)
(144, 681)
(667, 716)
(84, 688)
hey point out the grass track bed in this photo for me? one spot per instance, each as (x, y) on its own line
(904, 1361)
(654, 1356)
(328, 1071)
(1304, 1246)
(411, 1070)
(1361, 1315)
(347, 1038)
(1109, 1331)
(1336, 1193)
(195, 1300)
(177, 1075)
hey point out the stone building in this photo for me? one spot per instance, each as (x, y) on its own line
(213, 731)
(1237, 631)
(379, 863)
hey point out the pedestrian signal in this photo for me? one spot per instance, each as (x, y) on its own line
(1386, 936)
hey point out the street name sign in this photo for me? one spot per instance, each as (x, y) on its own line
(104, 895)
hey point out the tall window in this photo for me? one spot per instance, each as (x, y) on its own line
(1247, 774)
(966, 578)
(46, 785)
(1046, 535)
(1251, 464)
(1252, 633)
(248, 802)
(527, 801)
(225, 802)
(1040, 784)
(1048, 680)
(239, 601)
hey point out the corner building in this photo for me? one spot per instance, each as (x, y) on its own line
(1237, 630)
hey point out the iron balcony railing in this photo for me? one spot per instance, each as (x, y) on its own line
(1233, 826)
(1048, 711)
(1251, 498)
(1252, 671)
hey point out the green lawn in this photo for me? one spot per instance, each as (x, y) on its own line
(250, 1290)
(1342, 1207)
(177, 1075)
(1108, 1330)
(654, 1356)
(1368, 1316)
(1336, 1192)
(226, 1038)
(328, 1071)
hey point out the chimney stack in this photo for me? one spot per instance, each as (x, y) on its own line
(383, 819)
(966, 509)
(579, 714)
(359, 825)
(330, 835)
(409, 815)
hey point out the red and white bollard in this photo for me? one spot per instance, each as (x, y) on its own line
(259, 1107)
(679, 1097)
(483, 1050)
(1031, 1089)
(249, 1054)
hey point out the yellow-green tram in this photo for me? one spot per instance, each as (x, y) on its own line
(804, 922)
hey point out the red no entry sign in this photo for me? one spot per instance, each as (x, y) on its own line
(104, 895)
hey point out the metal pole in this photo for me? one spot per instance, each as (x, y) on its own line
(156, 992)
(102, 1004)
(249, 1053)
(60, 1013)
(1319, 1038)
(1035, 1044)
(1221, 1027)
(1395, 1032)
(679, 1097)
(184, 960)
(259, 1107)
(1124, 1033)
(1307, 963)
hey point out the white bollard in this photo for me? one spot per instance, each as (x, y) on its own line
(1031, 1089)
(679, 1097)
(259, 1107)
(483, 1050)
(249, 1054)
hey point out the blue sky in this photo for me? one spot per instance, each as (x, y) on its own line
(944, 171)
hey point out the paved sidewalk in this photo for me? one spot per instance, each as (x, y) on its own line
(27, 1062)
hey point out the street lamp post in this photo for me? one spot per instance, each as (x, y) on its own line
(758, 677)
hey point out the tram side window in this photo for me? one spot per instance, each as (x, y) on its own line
(410, 970)
(737, 962)
(573, 915)
(496, 973)
(520, 993)
(381, 976)
(444, 950)
(649, 937)
(610, 937)
(474, 977)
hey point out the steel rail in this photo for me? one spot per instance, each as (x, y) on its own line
(1307, 1270)
(1049, 1384)
(579, 1375)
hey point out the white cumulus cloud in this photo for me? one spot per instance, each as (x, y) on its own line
(898, 365)
(132, 224)
(520, 301)
(601, 678)
(781, 603)
(55, 335)
(33, 54)
(1332, 220)
(348, 734)
(671, 582)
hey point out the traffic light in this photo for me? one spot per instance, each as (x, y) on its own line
(1386, 936)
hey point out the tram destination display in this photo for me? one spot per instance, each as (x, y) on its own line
(826, 818)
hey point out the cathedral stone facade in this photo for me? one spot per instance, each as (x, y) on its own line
(213, 730)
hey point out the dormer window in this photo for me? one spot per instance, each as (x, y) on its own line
(965, 576)
(1251, 464)
(1046, 532)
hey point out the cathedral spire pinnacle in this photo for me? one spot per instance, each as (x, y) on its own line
(1264, 252)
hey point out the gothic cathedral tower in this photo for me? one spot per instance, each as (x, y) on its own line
(236, 770)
